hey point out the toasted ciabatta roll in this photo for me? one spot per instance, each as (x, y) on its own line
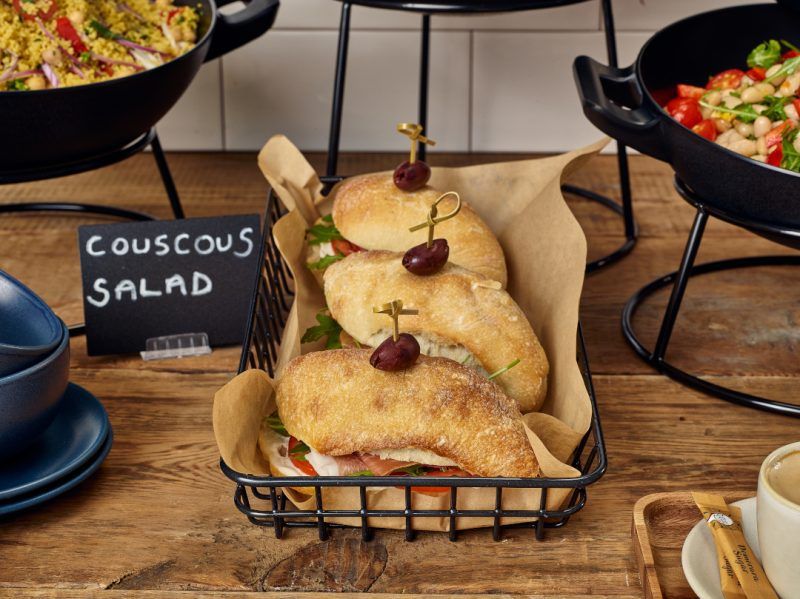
(371, 212)
(462, 316)
(355, 418)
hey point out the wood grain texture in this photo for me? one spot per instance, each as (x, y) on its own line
(660, 524)
(158, 518)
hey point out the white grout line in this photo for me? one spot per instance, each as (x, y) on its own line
(470, 88)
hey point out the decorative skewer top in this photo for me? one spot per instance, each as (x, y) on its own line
(434, 219)
(414, 132)
(412, 174)
(394, 310)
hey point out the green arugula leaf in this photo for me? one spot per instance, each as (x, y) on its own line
(274, 422)
(765, 55)
(324, 262)
(791, 157)
(299, 451)
(790, 45)
(327, 327)
(18, 85)
(789, 67)
(413, 470)
(362, 473)
(775, 111)
(744, 112)
(323, 233)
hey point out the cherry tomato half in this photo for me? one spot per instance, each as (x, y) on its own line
(757, 74)
(775, 157)
(301, 465)
(706, 128)
(663, 95)
(790, 54)
(730, 79)
(685, 110)
(690, 91)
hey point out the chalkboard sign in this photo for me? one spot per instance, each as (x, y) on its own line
(156, 278)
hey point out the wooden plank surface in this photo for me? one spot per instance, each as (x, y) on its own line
(661, 522)
(159, 516)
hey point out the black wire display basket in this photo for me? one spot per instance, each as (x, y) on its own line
(263, 501)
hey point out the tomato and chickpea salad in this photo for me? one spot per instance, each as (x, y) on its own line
(298, 451)
(755, 112)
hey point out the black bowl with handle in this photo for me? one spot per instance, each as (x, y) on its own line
(58, 126)
(622, 103)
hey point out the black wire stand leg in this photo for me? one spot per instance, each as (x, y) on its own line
(625, 208)
(338, 92)
(678, 280)
(166, 177)
(424, 78)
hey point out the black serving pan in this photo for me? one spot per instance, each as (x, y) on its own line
(57, 126)
(621, 103)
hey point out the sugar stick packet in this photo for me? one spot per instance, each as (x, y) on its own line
(729, 539)
(731, 589)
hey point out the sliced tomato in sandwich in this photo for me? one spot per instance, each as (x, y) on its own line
(344, 247)
(297, 454)
(444, 471)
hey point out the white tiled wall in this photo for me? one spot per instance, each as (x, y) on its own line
(498, 83)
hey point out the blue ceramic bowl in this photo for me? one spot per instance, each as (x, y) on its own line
(29, 330)
(30, 398)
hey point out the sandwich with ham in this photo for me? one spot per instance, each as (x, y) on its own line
(370, 212)
(339, 416)
(462, 315)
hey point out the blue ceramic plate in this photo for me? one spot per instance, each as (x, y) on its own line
(79, 429)
(23, 502)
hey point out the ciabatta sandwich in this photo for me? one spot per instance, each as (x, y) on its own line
(462, 315)
(370, 212)
(339, 416)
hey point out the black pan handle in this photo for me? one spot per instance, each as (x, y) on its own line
(612, 100)
(234, 31)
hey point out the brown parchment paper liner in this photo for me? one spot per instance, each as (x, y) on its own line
(546, 254)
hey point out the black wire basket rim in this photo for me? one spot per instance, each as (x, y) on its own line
(412, 481)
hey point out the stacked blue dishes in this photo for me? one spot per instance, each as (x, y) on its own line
(34, 365)
(29, 331)
(53, 434)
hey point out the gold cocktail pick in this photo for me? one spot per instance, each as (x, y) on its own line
(434, 218)
(414, 133)
(394, 309)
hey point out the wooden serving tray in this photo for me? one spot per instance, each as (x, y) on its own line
(661, 522)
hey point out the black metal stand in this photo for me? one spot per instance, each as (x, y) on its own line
(95, 162)
(624, 209)
(678, 280)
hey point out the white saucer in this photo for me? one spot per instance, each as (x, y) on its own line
(699, 556)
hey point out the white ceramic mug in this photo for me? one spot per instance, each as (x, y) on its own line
(779, 519)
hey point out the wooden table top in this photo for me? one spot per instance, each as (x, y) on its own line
(158, 521)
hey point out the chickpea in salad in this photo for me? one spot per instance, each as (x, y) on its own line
(755, 113)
